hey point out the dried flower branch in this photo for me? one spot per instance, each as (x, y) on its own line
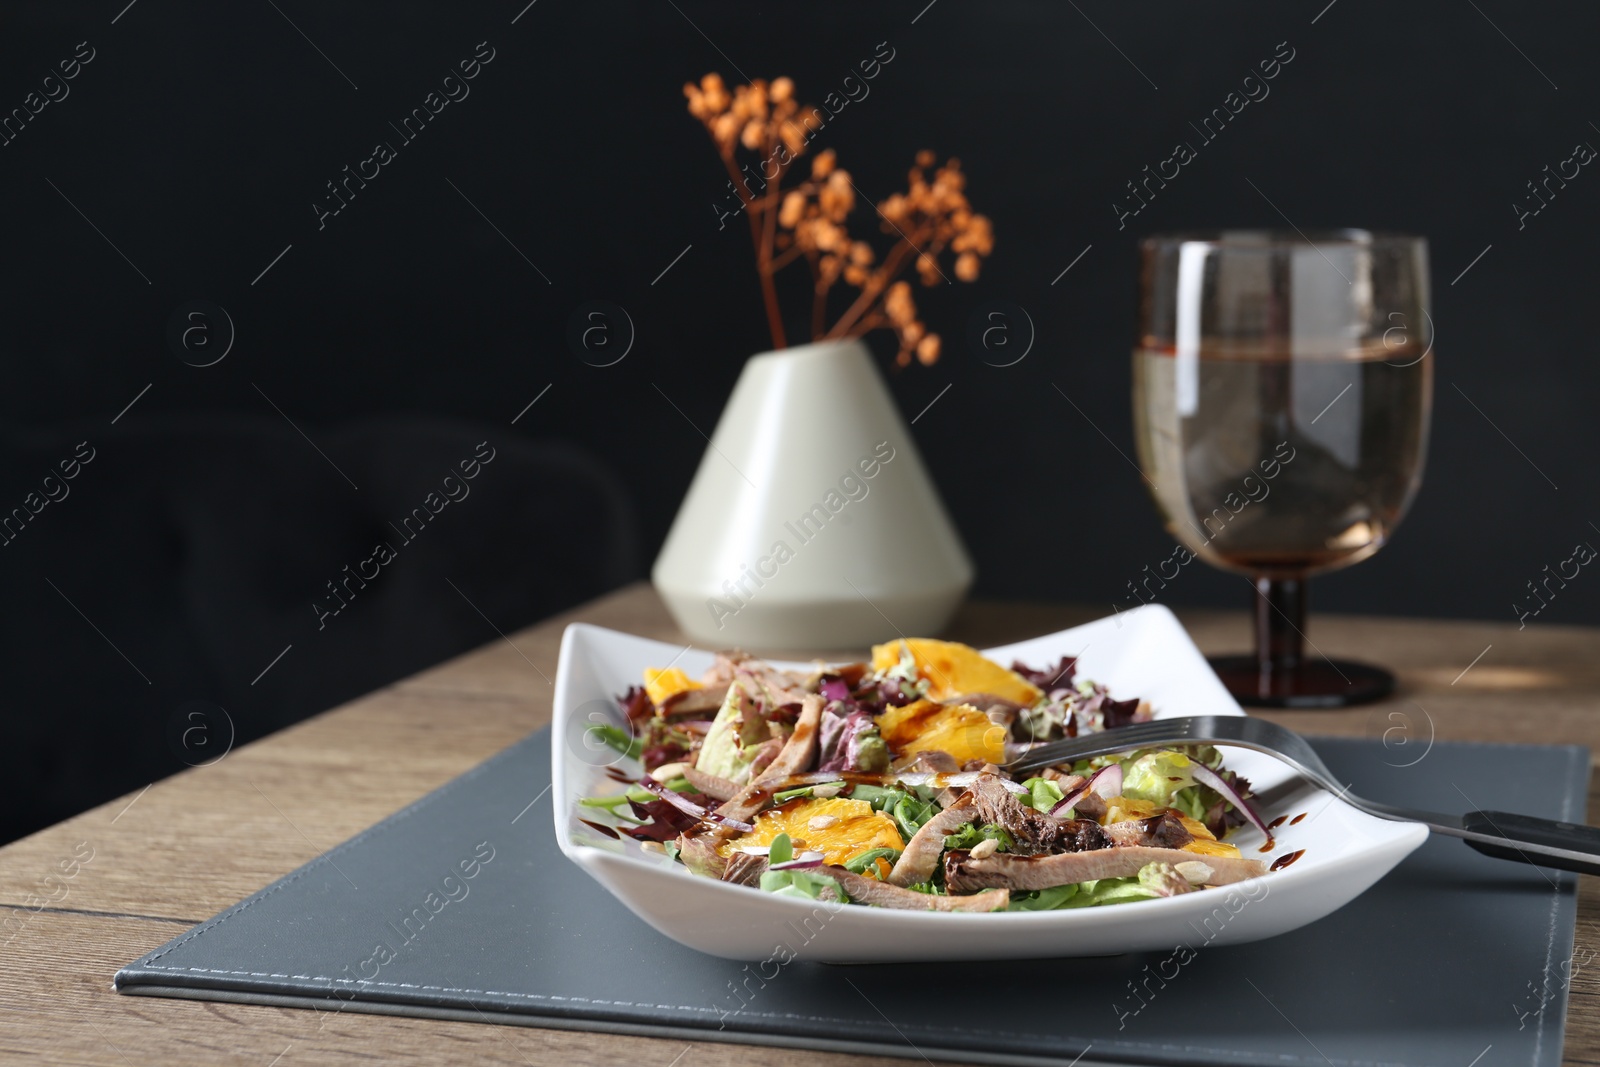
(810, 220)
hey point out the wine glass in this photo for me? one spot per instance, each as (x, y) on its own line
(1282, 390)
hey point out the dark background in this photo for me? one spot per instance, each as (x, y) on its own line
(412, 327)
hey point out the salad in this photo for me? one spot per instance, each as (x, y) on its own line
(885, 784)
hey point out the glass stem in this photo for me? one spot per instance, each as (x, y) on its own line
(1280, 624)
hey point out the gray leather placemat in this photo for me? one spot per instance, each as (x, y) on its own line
(461, 906)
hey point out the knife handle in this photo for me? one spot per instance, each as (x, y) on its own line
(1537, 838)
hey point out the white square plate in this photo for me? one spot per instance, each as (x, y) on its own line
(1141, 653)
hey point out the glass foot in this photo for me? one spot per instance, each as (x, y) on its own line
(1318, 683)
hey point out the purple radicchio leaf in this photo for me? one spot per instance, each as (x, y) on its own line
(849, 741)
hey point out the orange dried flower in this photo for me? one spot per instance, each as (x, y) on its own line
(794, 206)
(898, 305)
(724, 128)
(837, 197)
(895, 209)
(810, 220)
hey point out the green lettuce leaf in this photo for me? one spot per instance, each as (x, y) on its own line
(867, 862)
(911, 813)
(1109, 891)
(1157, 776)
(781, 850)
(619, 739)
(881, 797)
(969, 834)
(733, 738)
(1191, 802)
(1043, 899)
(803, 883)
(1043, 793)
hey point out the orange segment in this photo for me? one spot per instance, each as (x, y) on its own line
(662, 685)
(959, 729)
(855, 829)
(1121, 809)
(954, 669)
(1205, 842)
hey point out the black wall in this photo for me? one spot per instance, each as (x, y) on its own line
(199, 137)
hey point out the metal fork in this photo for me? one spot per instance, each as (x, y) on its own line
(1543, 842)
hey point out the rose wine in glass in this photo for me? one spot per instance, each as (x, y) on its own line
(1282, 389)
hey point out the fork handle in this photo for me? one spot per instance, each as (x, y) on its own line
(1563, 845)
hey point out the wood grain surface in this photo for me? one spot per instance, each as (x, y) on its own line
(185, 848)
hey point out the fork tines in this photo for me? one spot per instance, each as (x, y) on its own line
(1135, 735)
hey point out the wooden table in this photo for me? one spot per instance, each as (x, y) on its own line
(173, 855)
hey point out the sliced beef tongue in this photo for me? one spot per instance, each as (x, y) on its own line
(1166, 831)
(780, 689)
(865, 890)
(711, 785)
(965, 874)
(921, 855)
(796, 755)
(745, 868)
(1064, 781)
(1033, 833)
(1089, 806)
(704, 701)
(1159, 831)
(936, 763)
(1084, 835)
(724, 668)
(784, 687)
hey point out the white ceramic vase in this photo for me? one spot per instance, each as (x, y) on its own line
(811, 522)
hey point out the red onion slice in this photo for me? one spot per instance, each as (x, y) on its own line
(1106, 782)
(690, 808)
(1061, 809)
(1206, 776)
